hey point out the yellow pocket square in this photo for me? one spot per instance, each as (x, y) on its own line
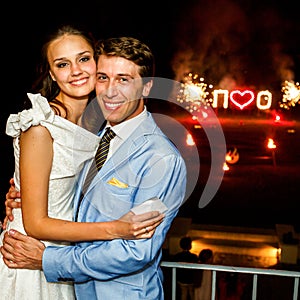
(114, 181)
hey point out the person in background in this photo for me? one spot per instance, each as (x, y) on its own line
(203, 279)
(142, 163)
(231, 286)
(50, 150)
(185, 277)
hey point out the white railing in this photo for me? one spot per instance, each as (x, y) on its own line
(254, 272)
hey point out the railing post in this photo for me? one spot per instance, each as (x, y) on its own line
(296, 286)
(254, 288)
(213, 285)
(173, 283)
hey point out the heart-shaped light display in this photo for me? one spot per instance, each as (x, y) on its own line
(241, 98)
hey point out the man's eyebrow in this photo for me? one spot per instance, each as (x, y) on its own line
(119, 74)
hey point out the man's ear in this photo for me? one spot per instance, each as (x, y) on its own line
(147, 88)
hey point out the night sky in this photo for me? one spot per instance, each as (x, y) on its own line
(254, 43)
(231, 43)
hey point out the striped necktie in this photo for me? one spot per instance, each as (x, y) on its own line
(103, 148)
(100, 158)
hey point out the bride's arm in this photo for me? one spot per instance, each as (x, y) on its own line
(35, 165)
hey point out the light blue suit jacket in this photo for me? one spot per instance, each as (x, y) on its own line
(150, 164)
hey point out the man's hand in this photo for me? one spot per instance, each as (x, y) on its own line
(10, 202)
(21, 251)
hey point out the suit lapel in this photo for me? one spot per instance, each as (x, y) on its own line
(134, 143)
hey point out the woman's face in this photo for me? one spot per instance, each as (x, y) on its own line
(72, 65)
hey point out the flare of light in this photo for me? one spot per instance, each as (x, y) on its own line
(277, 118)
(271, 144)
(232, 156)
(225, 167)
(190, 140)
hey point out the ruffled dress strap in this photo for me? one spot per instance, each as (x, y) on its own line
(40, 111)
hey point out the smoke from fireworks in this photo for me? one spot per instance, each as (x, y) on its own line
(230, 39)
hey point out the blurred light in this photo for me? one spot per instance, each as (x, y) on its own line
(225, 167)
(232, 156)
(190, 140)
(277, 118)
(291, 130)
(271, 144)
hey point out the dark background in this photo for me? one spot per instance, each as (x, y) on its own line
(254, 43)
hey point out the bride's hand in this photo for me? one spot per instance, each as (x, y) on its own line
(140, 226)
(10, 202)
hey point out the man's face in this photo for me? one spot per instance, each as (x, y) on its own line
(120, 89)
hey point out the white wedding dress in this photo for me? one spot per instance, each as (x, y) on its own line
(72, 145)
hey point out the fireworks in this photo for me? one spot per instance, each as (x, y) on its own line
(193, 94)
(291, 95)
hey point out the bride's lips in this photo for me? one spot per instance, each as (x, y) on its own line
(79, 82)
